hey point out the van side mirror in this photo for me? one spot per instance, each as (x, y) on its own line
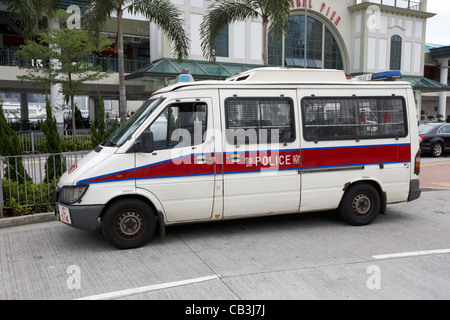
(146, 142)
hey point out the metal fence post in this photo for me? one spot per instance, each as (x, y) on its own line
(1, 188)
(1, 199)
(32, 142)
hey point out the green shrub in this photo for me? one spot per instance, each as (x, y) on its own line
(27, 198)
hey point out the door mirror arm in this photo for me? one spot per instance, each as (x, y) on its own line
(144, 143)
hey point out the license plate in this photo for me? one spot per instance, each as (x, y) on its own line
(64, 214)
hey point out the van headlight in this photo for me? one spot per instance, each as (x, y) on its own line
(72, 194)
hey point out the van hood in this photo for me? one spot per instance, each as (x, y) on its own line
(81, 169)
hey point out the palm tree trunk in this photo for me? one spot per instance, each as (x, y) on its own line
(122, 89)
(265, 35)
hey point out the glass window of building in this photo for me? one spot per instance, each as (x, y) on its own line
(322, 48)
(396, 52)
(222, 43)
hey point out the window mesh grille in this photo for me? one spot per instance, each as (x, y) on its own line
(349, 118)
(259, 120)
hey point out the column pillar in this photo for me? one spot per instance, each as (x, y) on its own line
(25, 124)
(443, 95)
(57, 97)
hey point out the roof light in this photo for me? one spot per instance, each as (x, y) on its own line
(387, 75)
(185, 78)
(380, 76)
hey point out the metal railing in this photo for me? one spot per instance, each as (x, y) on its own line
(29, 181)
(9, 59)
(34, 141)
(405, 4)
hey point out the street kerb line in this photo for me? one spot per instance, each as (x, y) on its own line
(410, 254)
(145, 289)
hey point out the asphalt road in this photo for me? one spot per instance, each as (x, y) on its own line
(402, 255)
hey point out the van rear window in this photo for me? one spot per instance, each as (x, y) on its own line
(350, 118)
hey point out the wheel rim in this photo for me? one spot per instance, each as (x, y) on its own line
(437, 149)
(130, 225)
(362, 204)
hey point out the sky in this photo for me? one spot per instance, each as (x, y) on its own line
(438, 27)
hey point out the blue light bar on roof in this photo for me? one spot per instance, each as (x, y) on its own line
(380, 76)
(387, 75)
(185, 78)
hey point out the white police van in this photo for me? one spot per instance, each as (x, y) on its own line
(265, 142)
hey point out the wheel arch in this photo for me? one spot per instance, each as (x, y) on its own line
(129, 196)
(374, 183)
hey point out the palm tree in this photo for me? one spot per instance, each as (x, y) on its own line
(224, 12)
(161, 12)
(30, 18)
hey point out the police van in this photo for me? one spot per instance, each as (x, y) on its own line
(264, 142)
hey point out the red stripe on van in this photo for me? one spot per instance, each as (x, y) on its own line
(246, 162)
(186, 166)
(348, 156)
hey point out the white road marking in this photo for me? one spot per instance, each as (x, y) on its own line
(410, 254)
(133, 291)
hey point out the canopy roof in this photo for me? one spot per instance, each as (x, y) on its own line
(200, 70)
(425, 85)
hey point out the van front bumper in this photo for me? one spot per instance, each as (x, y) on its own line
(81, 217)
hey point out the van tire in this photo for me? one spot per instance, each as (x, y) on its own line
(360, 204)
(129, 223)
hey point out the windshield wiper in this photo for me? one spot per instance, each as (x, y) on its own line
(109, 143)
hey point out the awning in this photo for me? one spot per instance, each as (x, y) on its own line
(200, 70)
(160, 73)
(425, 85)
(440, 53)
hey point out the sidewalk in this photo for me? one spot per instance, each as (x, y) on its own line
(435, 175)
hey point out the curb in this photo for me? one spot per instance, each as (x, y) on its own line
(427, 189)
(50, 216)
(28, 219)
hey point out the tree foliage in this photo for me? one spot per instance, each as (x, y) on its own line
(58, 57)
(10, 146)
(274, 14)
(100, 134)
(29, 13)
(161, 12)
(54, 167)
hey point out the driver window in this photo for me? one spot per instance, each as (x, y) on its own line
(180, 125)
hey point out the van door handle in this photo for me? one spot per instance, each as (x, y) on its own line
(234, 158)
(203, 159)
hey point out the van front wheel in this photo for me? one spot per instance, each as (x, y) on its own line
(129, 223)
(360, 205)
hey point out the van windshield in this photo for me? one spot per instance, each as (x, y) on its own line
(125, 132)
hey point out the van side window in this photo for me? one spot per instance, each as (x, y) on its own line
(180, 125)
(348, 118)
(259, 120)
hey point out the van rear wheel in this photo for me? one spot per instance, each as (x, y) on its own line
(129, 223)
(360, 205)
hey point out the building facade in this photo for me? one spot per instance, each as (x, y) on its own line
(357, 36)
